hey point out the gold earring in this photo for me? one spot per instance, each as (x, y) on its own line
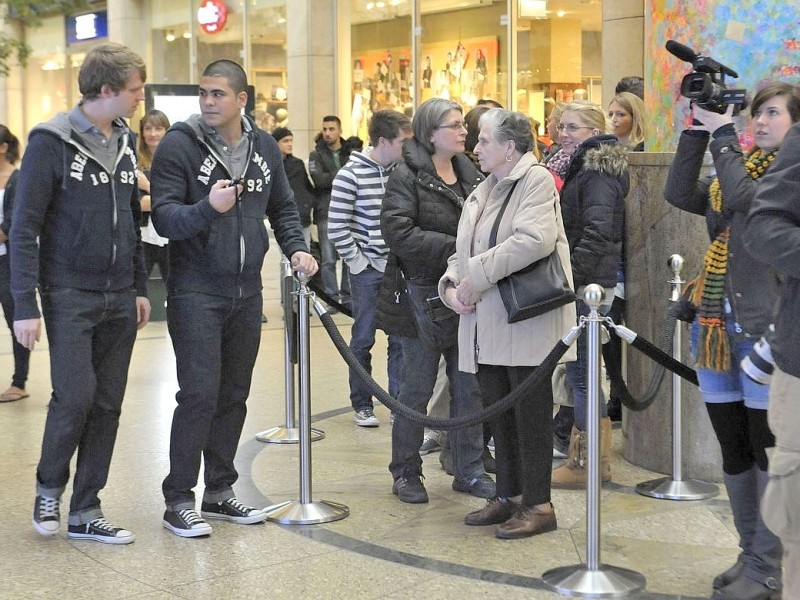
(508, 159)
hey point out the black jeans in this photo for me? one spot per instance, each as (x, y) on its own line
(22, 355)
(216, 341)
(523, 435)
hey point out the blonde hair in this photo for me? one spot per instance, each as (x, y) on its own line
(589, 113)
(633, 105)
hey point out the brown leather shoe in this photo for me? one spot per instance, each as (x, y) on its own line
(497, 510)
(527, 521)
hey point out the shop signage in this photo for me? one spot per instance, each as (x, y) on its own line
(87, 28)
(212, 15)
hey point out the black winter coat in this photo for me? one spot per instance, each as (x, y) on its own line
(419, 221)
(593, 208)
(772, 234)
(323, 169)
(750, 285)
(302, 187)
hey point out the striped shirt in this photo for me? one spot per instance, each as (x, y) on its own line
(354, 220)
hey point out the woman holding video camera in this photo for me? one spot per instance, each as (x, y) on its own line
(734, 297)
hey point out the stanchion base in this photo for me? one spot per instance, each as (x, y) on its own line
(286, 435)
(604, 582)
(666, 488)
(294, 512)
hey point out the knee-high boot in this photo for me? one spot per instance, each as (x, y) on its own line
(757, 572)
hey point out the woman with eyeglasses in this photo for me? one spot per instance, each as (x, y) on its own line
(596, 182)
(419, 221)
(9, 174)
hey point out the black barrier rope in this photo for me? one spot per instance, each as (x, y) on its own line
(290, 317)
(316, 287)
(541, 375)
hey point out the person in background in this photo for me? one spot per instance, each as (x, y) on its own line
(735, 296)
(9, 178)
(329, 155)
(633, 84)
(298, 180)
(419, 219)
(218, 240)
(75, 238)
(508, 353)
(354, 226)
(772, 235)
(152, 128)
(626, 115)
(471, 120)
(593, 204)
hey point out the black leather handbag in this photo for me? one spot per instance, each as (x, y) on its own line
(538, 288)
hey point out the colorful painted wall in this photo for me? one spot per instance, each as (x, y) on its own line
(759, 39)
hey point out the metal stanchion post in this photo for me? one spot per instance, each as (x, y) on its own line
(593, 579)
(676, 487)
(287, 433)
(305, 512)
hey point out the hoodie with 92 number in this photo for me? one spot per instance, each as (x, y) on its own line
(220, 254)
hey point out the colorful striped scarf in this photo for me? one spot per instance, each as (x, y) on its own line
(708, 289)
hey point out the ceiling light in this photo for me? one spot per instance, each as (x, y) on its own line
(370, 5)
(561, 13)
(380, 4)
(170, 36)
(51, 65)
(187, 35)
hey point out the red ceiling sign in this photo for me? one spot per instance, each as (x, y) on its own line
(212, 16)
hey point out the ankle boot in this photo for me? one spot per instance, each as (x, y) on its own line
(573, 474)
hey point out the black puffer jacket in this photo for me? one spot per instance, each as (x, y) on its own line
(751, 286)
(419, 221)
(420, 214)
(593, 207)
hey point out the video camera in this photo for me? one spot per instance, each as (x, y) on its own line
(705, 85)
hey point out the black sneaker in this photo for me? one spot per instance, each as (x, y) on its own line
(99, 530)
(234, 511)
(47, 515)
(410, 489)
(185, 523)
(481, 487)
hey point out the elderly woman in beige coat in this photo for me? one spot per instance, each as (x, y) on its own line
(504, 354)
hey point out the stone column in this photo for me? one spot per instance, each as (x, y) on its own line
(310, 61)
(127, 25)
(655, 231)
(623, 43)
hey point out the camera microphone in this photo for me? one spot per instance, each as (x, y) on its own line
(678, 50)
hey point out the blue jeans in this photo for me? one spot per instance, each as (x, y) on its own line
(734, 385)
(364, 287)
(216, 341)
(327, 266)
(420, 366)
(576, 372)
(91, 337)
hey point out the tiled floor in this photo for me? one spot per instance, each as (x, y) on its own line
(383, 549)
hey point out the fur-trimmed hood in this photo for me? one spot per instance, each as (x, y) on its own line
(601, 153)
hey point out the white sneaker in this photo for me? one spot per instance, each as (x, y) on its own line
(366, 418)
(46, 515)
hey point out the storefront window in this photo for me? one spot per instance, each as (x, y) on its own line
(171, 37)
(50, 81)
(267, 26)
(463, 50)
(558, 55)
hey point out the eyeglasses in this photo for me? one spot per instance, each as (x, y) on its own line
(453, 126)
(572, 128)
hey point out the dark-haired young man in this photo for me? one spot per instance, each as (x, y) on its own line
(329, 155)
(354, 226)
(75, 237)
(215, 177)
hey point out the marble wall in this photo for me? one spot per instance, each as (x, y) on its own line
(655, 231)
